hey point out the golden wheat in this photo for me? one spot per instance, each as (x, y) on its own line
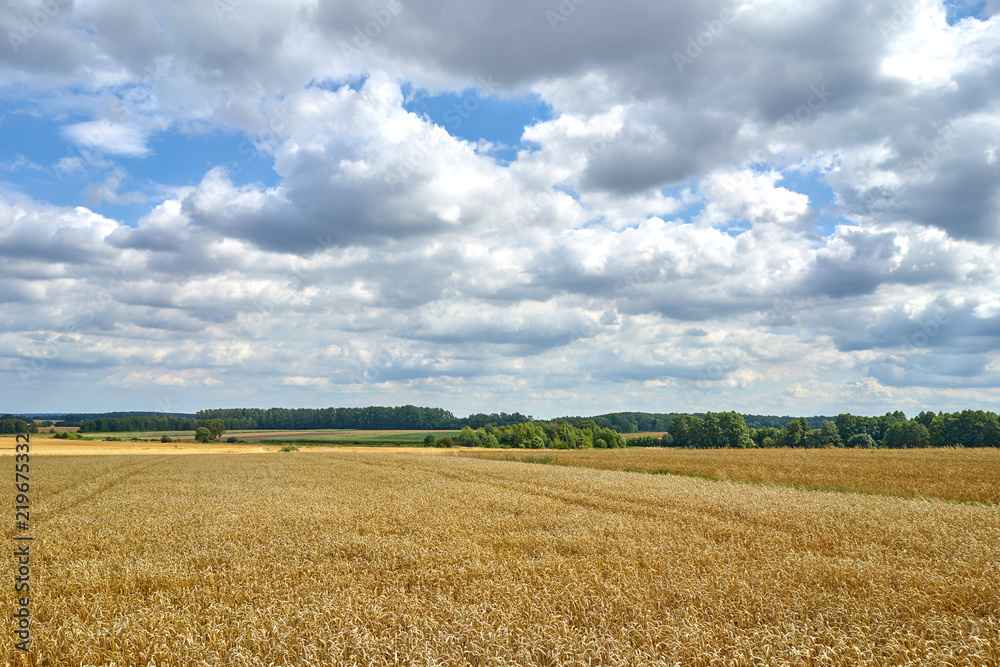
(329, 558)
(966, 475)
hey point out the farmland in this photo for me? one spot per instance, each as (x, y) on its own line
(329, 436)
(963, 475)
(328, 556)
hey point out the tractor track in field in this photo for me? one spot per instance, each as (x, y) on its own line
(50, 504)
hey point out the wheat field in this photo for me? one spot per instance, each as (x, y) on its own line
(392, 558)
(962, 475)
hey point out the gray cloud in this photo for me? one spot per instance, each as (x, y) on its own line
(631, 252)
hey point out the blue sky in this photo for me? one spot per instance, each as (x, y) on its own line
(475, 115)
(480, 209)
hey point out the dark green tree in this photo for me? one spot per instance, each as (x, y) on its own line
(830, 435)
(733, 431)
(861, 440)
(216, 427)
(467, 438)
(795, 433)
(686, 430)
(969, 428)
(906, 434)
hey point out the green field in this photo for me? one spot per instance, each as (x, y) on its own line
(317, 437)
(398, 438)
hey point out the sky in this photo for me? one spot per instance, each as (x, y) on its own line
(554, 207)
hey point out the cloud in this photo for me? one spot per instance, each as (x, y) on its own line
(803, 215)
(108, 137)
(299, 381)
(753, 197)
(20, 162)
(107, 191)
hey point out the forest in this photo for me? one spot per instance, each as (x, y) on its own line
(893, 430)
(10, 424)
(969, 428)
(133, 424)
(407, 417)
(558, 434)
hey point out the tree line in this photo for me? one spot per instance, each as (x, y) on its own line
(557, 434)
(77, 418)
(421, 418)
(638, 422)
(406, 417)
(968, 428)
(9, 424)
(136, 424)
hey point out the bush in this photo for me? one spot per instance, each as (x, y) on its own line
(166, 438)
(232, 439)
(428, 440)
(862, 440)
(289, 448)
(541, 458)
(600, 444)
(643, 441)
(446, 441)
